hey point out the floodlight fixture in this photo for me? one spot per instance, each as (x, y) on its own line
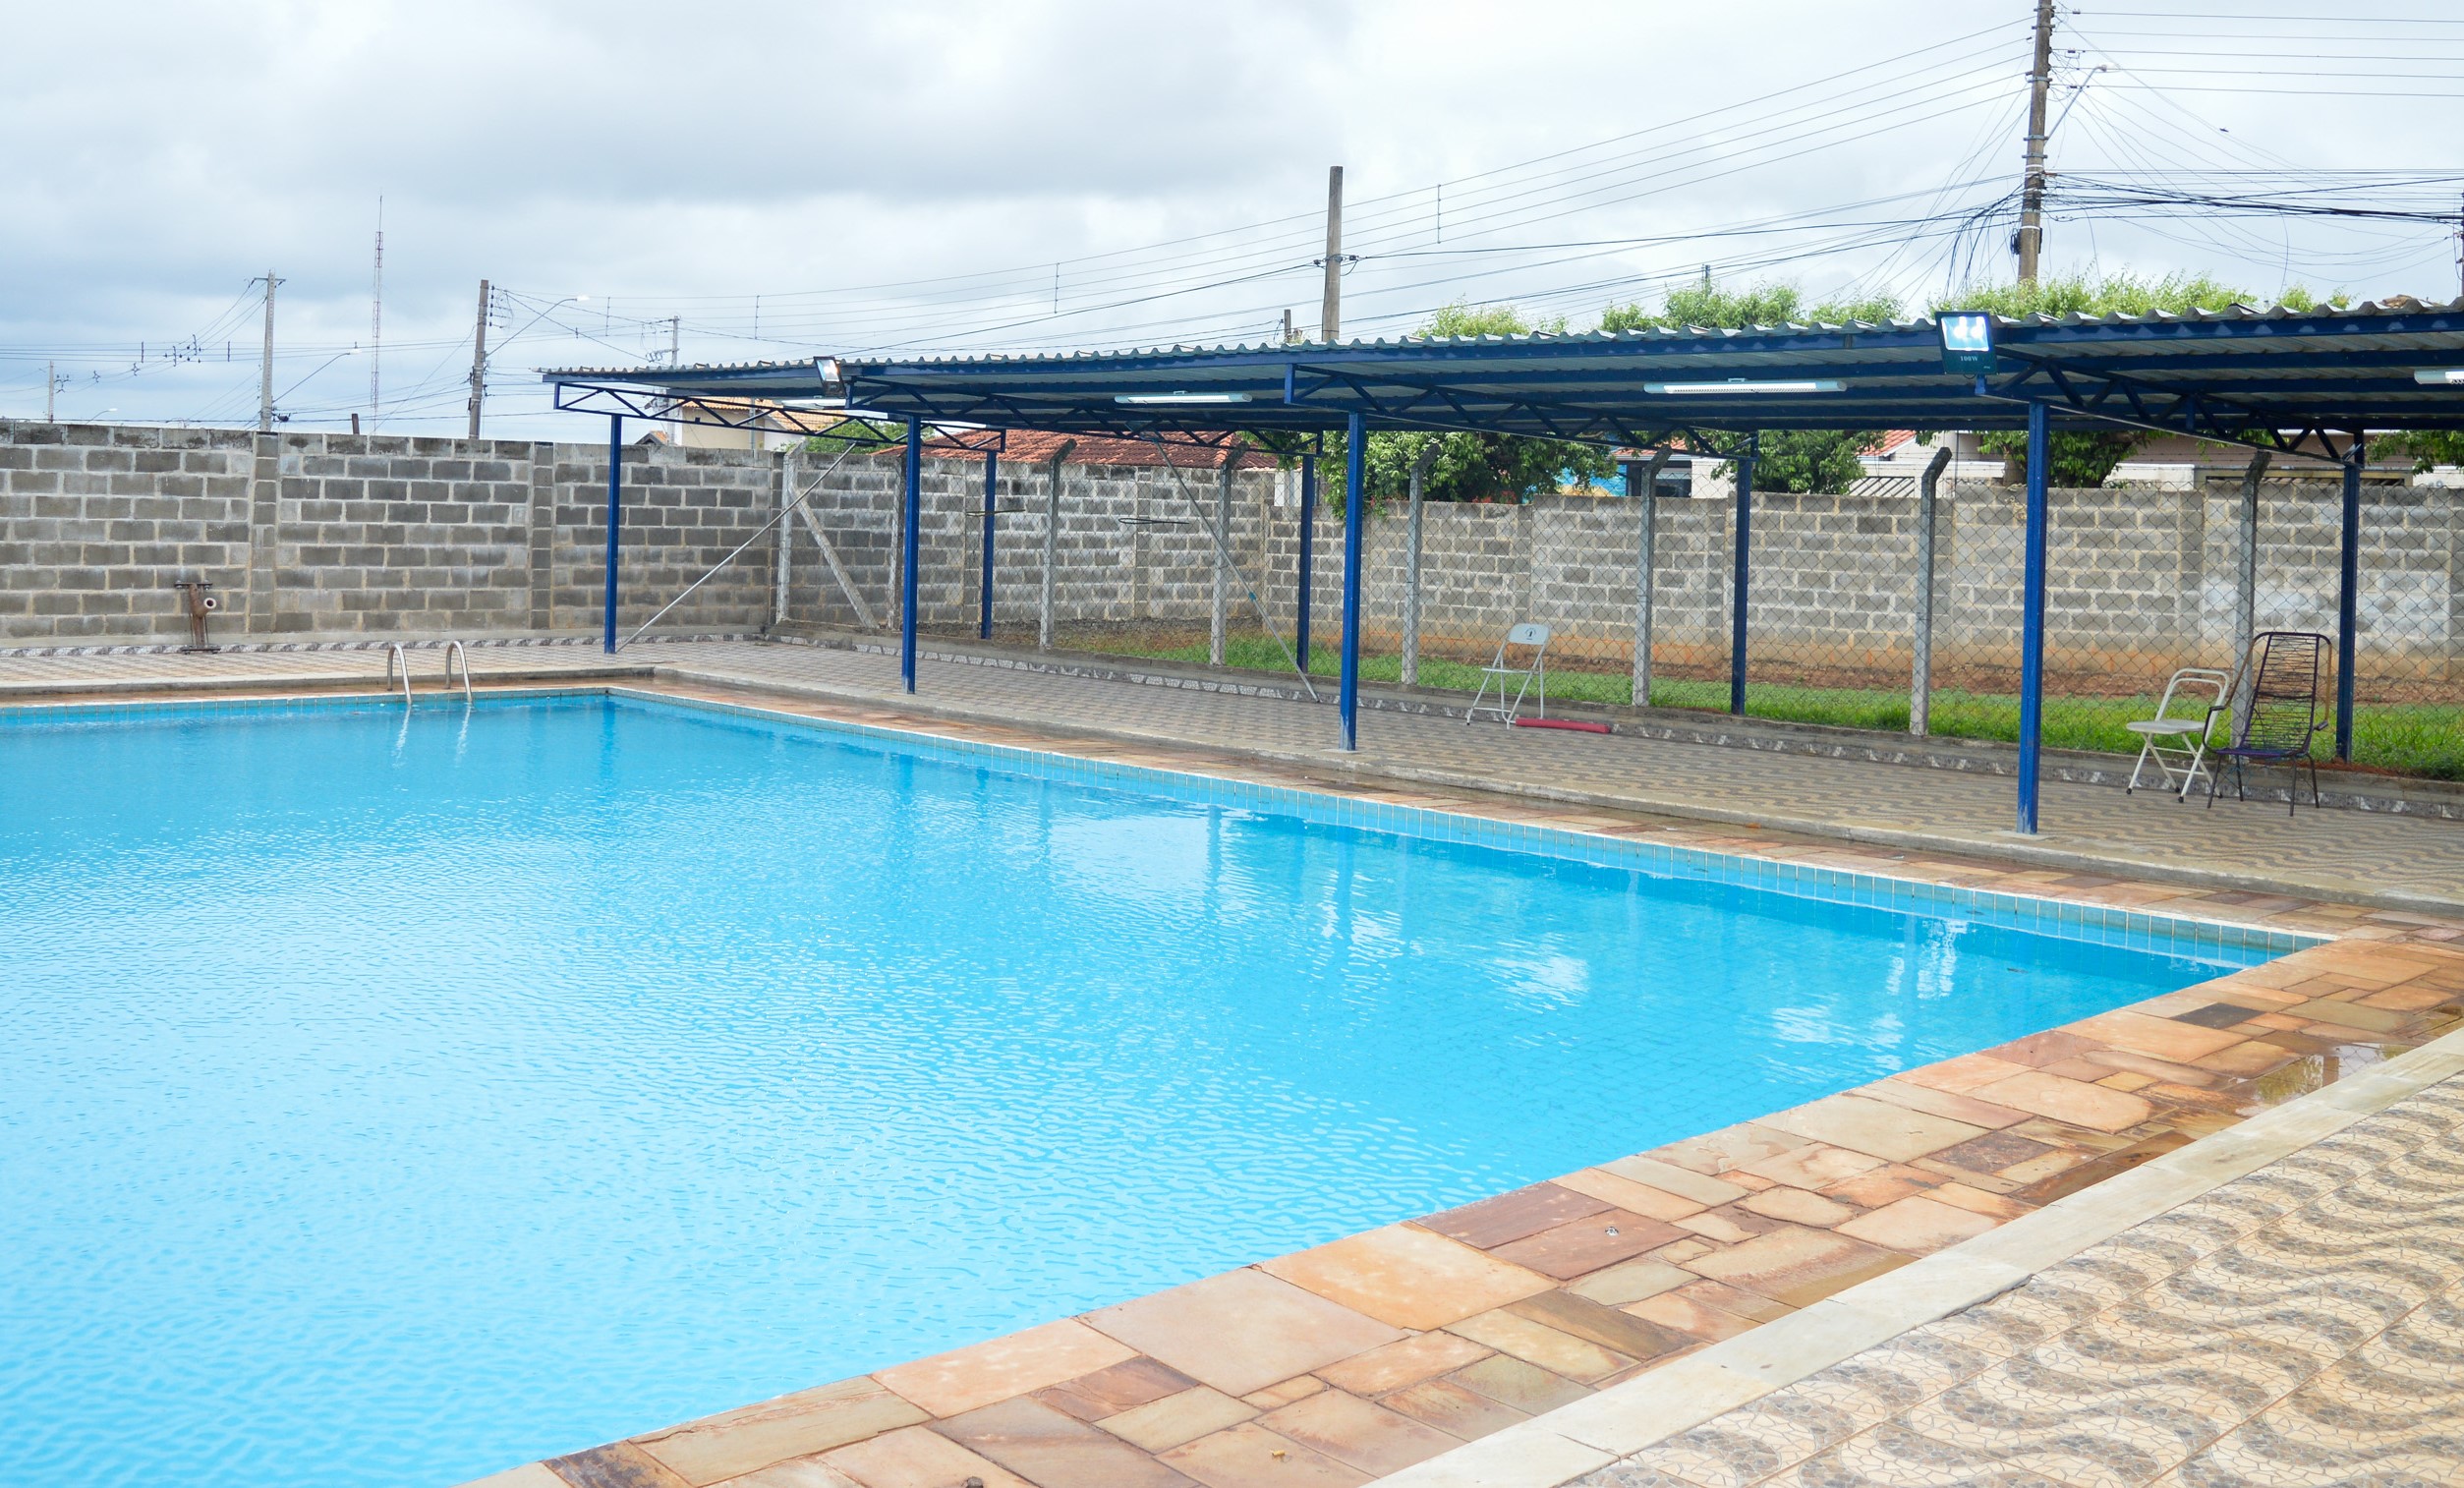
(1966, 342)
(1748, 385)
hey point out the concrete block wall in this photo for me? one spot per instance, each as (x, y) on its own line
(1132, 544)
(314, 535)
(94, 530)
(337, 536)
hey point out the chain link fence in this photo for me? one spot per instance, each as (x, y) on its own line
(1101, 548)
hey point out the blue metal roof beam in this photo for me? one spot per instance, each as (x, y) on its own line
(2280, 380)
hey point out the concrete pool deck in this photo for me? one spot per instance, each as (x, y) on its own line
(1525, 1322)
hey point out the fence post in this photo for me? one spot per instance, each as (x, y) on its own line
(1222, 559)
(1411, 567)
(786, 536)
(1643, 483)
(2348, 598)
(1051, 547)
(1744, 466)
(1920, 670)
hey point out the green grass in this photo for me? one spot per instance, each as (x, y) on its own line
(2425, 740)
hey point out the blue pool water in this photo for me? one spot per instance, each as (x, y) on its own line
(390, 1102)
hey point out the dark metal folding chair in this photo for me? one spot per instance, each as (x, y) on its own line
(2280, 719)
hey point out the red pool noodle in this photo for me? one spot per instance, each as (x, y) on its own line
(1573, 725)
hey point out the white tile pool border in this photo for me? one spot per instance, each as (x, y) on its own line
(2126, 929)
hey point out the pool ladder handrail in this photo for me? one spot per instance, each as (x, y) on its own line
(396, 656)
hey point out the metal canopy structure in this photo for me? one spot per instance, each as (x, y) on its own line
(2309, 384)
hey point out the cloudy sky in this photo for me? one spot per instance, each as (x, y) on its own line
(774, 180)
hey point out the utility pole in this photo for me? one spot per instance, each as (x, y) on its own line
(266, 365)
(51, 386)
(1331, 313)
(376, 318)
(478, 360)
(2030, 241)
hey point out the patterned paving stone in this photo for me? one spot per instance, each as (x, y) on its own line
(2300, 1327)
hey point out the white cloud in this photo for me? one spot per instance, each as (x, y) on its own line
(163, 154)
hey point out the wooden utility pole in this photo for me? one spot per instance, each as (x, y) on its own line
(478, 360)
(1330, 312)
(266, 368)
(2032, 188)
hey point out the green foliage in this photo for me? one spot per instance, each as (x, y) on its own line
(1823, 460)
(1469, 467)
(2426, 446)
(871, 434)
(1462, 320)
(2119, 293)
(2085, 457)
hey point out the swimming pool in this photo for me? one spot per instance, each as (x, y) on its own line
(390, 1100)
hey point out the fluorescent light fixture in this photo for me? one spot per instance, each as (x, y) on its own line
(2440, 376)
(1181, 397)
(1746, 385)
(1966, 342)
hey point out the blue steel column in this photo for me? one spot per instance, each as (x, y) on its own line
(1355, 497)
(2032, 620)
(983, 615)
(1736, 584)
(2348, 600)
(1309, 549)
(615, 519)
(906, 567)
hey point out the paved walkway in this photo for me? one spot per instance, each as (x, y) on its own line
(2300, 1326)
(2347, 855)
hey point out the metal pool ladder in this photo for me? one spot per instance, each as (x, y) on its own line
(396, 656)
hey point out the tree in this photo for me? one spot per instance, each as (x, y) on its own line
(1795, 459)
(2085, 457)
(1469, 466)
(871, 434)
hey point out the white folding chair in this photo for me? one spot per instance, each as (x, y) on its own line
(1528, 636)
(2177, 743)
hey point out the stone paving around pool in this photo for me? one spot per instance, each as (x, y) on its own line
(1363, 1357)
(2300, 1325)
